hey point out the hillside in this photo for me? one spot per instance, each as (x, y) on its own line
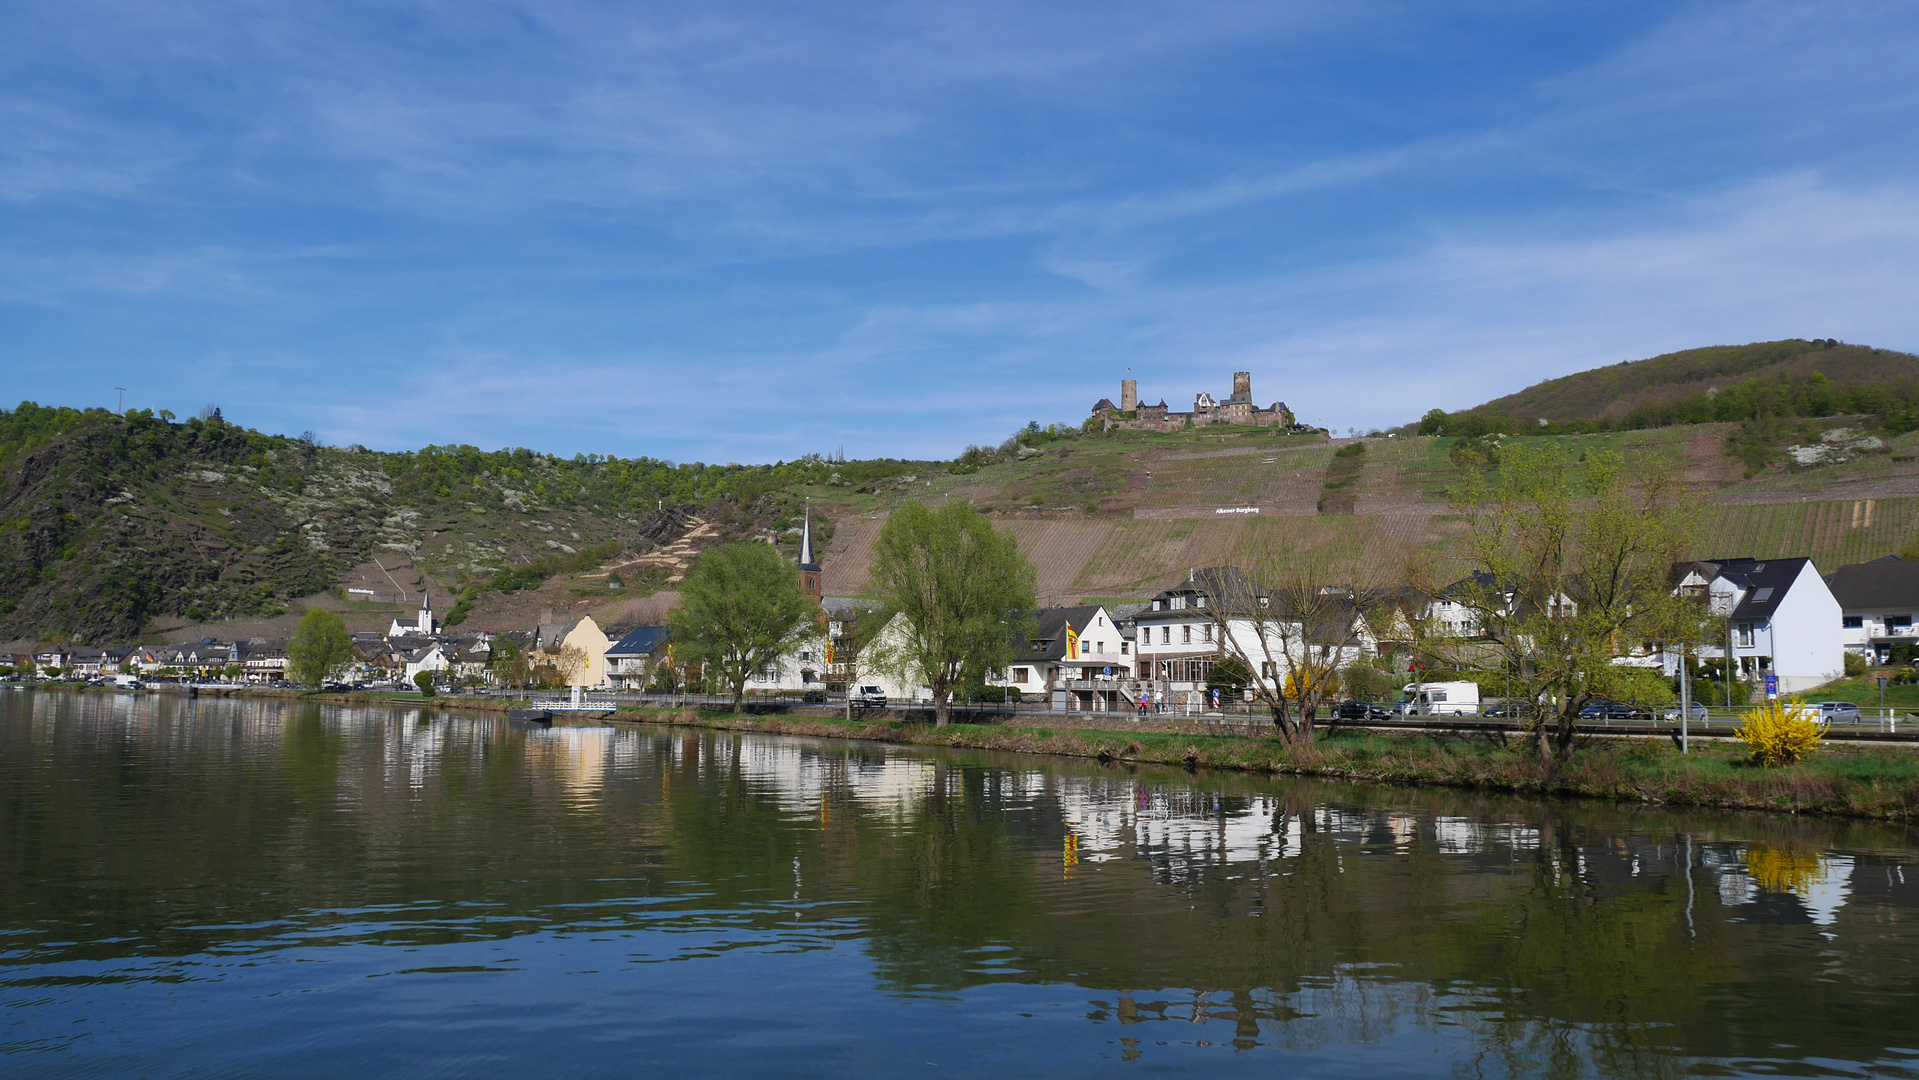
(113, 527)
(1717, 384)
(1124, 515)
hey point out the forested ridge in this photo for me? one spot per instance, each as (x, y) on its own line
(1766, 381)
(108, 521)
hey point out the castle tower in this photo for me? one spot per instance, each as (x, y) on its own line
(809, 570)
(1242, 386)
(1128, 395)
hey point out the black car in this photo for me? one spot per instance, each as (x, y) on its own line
(1361, 710)
(813, 697)
(1508, 710)
(1612, 710)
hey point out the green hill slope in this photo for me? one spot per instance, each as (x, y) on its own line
(109, 522)
(1791, 378)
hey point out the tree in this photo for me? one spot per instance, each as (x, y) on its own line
(319, 647)
(424, 680)
(1288, 638)
(741, 609)
(965, 590)
(1435, 422)
(508, 663)
(1569, 566)
(557, 666)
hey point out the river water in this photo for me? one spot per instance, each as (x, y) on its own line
(221, 888)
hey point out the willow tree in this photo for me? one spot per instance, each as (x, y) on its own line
(320, 647)
(1569, 566)
(741, 610)
(965, 596)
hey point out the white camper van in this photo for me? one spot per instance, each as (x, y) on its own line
(1440, 699)
(126, 682)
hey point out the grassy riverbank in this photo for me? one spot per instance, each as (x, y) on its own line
(1846, 780)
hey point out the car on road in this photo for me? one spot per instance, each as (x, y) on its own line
(866, 697)
(1838, 712)
(813, 697)
(1361, 710)
(1698, 715)
(1612, 710)
(1508, 710)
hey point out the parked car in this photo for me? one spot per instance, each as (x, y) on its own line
(1508, 710)
(1698, 713)
(814, 697)
(1361, 710)
(1612, 710)
(866, 697)
(1838, 712)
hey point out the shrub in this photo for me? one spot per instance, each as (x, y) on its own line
(1855, 665)
(1780, 734)
(424, 680)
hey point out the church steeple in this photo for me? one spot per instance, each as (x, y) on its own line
(809, 570)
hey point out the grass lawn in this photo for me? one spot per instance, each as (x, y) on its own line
(1864, 692)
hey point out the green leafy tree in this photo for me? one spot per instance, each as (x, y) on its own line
(1568, 569)
(320, 646)
(424, 680)
(741, 609)
(965, 590)
(508, 663)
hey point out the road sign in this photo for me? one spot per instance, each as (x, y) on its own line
(1772, 686)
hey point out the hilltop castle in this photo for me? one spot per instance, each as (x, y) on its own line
(1130, 415)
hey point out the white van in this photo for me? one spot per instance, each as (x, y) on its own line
(127, 682)
(1439, 699)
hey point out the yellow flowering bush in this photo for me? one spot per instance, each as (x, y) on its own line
(1780, 734)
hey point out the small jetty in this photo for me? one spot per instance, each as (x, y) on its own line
(544, 712)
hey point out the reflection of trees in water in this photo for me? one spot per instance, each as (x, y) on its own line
(1559, 938)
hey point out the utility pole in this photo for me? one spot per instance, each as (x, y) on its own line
(120, 406)
(1685, 704)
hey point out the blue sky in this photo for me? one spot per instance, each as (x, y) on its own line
(739, 231)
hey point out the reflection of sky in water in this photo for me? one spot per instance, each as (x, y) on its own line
(427, 876)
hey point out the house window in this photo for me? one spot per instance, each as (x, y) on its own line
(1185, 635)
(1898, 624)
(1853, 622)
(1745, 635)
(1124, 646)
(1206, 632)
(1201, 601)
(1165, 635)
(1155, 605)
(1021, 674)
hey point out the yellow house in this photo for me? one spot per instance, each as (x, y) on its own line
(585, 635)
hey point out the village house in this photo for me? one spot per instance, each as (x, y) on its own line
(1182, 635)
(430, 658)
(1780, 617)
(1877, 601)
(583, 634)
(632, 661)
(1076, 657)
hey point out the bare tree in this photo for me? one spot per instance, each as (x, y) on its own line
(1292, 634)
